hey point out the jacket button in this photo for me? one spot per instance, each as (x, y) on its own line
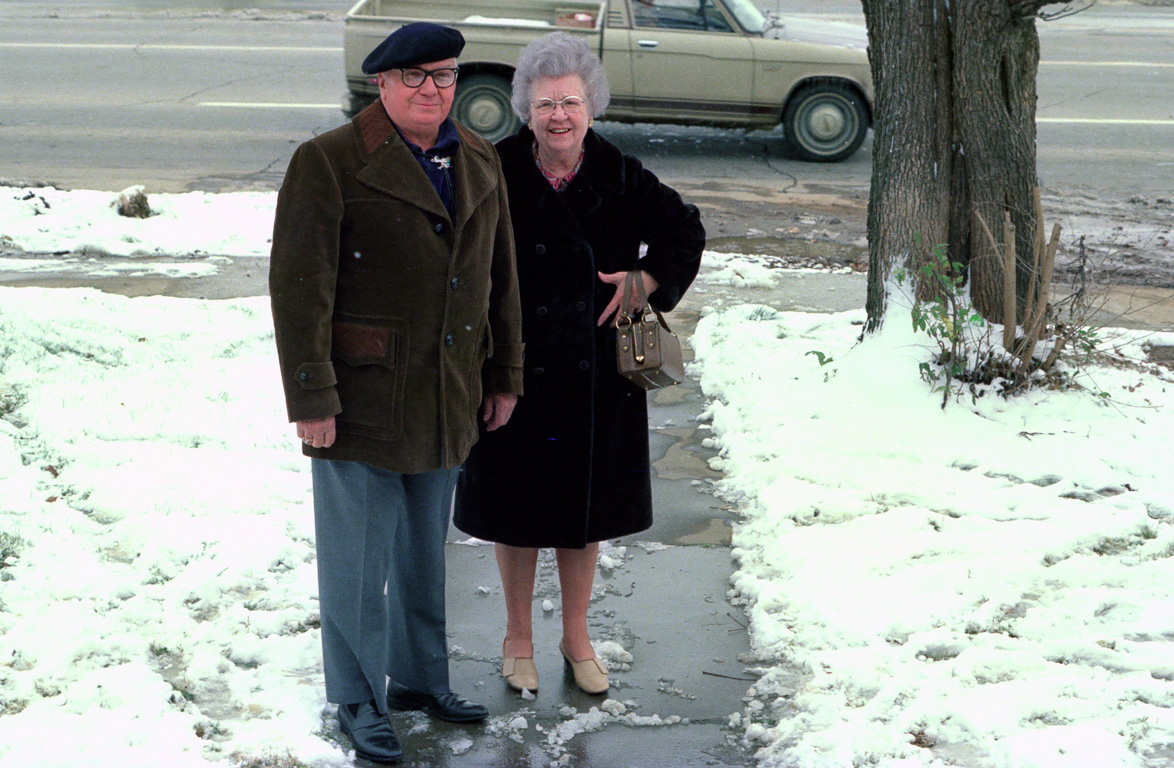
(540, 249)
(540, 311)
(439, 228)
(539, 371)
(455, 282)
(449, 340)
(303, 376)
(584, 365)
(582, 305)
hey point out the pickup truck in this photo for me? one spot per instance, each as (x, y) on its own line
(692, 62)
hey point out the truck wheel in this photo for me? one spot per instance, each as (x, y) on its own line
(482, 103)
(354, 103)
(825, 122)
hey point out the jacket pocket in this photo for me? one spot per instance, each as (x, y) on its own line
(370, 363)
(482, 351)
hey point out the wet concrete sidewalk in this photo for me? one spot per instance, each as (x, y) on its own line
(685, 665)
(661, 602)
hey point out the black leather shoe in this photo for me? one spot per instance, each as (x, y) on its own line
(370, 733)
(447, 706)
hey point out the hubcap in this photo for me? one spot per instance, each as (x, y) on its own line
(826, 122)
(485, 114)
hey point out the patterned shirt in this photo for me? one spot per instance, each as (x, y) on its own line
(560, 183)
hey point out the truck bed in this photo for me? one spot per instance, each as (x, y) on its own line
(529, 14)
(495, 29)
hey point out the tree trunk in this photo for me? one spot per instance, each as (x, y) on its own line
(954, 139)
(907, 208)
(994, 83)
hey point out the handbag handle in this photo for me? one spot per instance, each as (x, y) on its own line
(625, 317)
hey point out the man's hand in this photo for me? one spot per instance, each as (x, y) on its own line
(497, 409)
(617, 279)
(318, 433)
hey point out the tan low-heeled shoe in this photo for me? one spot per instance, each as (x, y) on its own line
(519, 672)
(590, 674)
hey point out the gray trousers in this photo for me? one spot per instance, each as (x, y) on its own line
(380, 538)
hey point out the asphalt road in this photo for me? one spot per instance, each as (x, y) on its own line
(214, 96)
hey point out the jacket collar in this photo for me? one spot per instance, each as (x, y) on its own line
(389, 166)
(604, 164)
(603, 167)
(374, 127)
(601, 176)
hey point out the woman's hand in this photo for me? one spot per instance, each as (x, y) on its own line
(496, 410)
(617, 279)
(317, 433)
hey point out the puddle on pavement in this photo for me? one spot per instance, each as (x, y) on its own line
(680, 464)
(715, 532)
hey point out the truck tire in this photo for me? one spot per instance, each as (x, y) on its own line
(482, 104)
(825, 122)
(354, 103)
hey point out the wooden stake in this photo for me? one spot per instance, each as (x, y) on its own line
(1010, 301)
(1038, 211)
(1032, 302)
(1046, 258)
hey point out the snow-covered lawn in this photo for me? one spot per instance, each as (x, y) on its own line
(991, 584)
(163, 547)
(79, 222)
(995, 579)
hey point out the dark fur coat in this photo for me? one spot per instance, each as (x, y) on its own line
(572, 466)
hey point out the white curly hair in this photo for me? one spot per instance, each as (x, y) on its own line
(556, 55)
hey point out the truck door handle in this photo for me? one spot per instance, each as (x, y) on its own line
(647, 43)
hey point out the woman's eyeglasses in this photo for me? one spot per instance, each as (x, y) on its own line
(570, 105)
(443, 78)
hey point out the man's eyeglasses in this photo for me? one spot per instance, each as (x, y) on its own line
(570, 105)
(443, 78)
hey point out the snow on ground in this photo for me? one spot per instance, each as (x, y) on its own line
(82, 222)
(994, 575)
(988, 583)
(163, 543)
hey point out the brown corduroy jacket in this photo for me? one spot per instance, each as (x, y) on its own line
(390, 315)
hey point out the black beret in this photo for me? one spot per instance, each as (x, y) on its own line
(420, 42)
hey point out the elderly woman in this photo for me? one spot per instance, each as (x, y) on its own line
(571, 469)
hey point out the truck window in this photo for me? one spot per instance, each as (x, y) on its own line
(748, 15)
(679, 14)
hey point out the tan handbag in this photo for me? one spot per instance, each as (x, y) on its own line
(648, 353)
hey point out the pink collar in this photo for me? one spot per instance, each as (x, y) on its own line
(558, 182)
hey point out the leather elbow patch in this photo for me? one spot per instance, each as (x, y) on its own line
(316, 375)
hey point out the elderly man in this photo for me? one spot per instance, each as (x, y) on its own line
(395, 305)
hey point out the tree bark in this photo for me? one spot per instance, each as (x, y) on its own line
(911, 156)
(954, 139)
(997, 57)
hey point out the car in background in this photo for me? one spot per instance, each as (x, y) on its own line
(691, 62)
